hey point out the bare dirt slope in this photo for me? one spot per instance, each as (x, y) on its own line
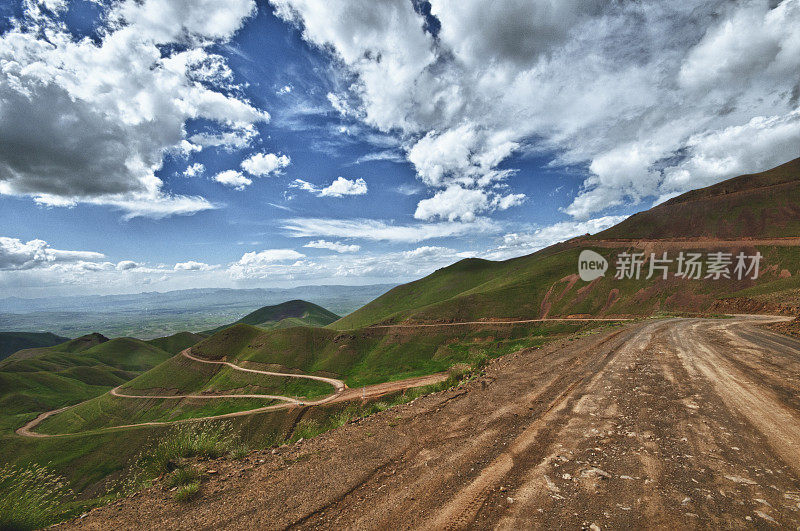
(681, 423)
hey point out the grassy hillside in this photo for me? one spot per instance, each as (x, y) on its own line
(176, 342)
(545, 283)
(373, 355)
(760, 205)
(57, 376)
(285, 315)
(11, 342)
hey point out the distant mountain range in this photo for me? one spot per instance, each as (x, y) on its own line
(339, 299)
(151, 315)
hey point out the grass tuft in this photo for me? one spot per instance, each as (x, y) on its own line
(205, 439)
(31, 497)
(239, 451)
(183, 476)
(187, 492)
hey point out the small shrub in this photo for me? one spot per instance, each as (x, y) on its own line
(187, 492)
(183, 476)
(31, 497)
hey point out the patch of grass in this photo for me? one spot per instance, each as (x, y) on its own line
(187, 492)
(239, 451)
(183, 476)
(31, 497)
(204, 439)
(308, 428)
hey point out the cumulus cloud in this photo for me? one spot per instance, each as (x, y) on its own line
(456, 203)
(262, 164)
(269, 256)
(194, 170)
(192, 265)
(126, 265)
(338, 188)
(90, 120)
(633, 94)
(234, 179)
(18, 255)
(339, 247)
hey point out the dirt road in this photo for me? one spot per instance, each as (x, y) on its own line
(680, 423)
(341, 393)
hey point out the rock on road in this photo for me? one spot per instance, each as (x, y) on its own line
(677, 423)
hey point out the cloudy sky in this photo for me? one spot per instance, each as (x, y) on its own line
(165, 144)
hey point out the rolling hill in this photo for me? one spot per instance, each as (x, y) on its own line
(285, 315)
(10, 342)
(37, 380)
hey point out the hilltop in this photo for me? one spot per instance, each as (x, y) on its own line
(760, 205)
(11, 342)
(285, 315)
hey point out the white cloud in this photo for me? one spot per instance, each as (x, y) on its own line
(286, 89)
(90, 121)
(341, 187)
(192, 265)
(261, 164)
(270, 256)
(376, 230)
(17, 255)
(194, 170)
(233, 178)
(518, 244)
(338, 188)
(339, 247)
(627, 91)
(456, 203)
(126, 265)
(452, 204)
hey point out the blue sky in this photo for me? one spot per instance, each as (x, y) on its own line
(172, 144)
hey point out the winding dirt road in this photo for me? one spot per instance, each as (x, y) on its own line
(678, 423)
(339, 394)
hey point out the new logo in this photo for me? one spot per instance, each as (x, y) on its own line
(591, 265)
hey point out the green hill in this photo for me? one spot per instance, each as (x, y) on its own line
(545, 283)
(373, 355)
(53, 377)
(176, 342)
(285, 315)
(11, 342)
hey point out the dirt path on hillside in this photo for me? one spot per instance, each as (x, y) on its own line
(489, 322)
(679, 423)
(341, 393)
(341, 390)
